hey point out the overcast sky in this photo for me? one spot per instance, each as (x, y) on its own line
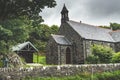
(95, 12)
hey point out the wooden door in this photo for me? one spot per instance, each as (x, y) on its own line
(68, 56)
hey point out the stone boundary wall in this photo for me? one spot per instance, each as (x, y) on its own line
(58, 70)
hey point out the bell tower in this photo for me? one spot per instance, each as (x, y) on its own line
(64, 14)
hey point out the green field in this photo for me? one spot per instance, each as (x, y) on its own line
(39, 59)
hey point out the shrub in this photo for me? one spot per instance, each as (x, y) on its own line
(92, 59)
(116, 57)
(108, 75)
(100, 54)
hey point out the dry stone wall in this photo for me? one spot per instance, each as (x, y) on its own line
(58, 70)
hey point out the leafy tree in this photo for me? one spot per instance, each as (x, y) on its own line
(41, 32)
(31, 8)
(54, 29)
(115, 26)
(116, 57)
(20, 29)
(12, 32)
(40, 35)
(5, 35)
(18, 18)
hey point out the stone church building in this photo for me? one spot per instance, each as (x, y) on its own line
(73, 42)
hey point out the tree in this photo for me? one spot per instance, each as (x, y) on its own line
(12, 32)
(31, 8)
(5, 35)
(40, 35)
(42, 32)
(115, 26)
(54, 29)
(17, 19)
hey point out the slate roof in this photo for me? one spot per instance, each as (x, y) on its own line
(91, 32)
(23, 45)
(60, 39)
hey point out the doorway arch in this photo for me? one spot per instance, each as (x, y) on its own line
(68, 56)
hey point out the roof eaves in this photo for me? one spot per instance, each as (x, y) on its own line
(100, 40)
(33, 46)
(21, 46)
(68, 42)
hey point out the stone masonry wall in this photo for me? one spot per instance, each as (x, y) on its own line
(76, 40)
(62, 54)
(52, 52)
(56, 71)
(117, 46)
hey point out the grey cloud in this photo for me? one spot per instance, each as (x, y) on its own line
(102, 8)
(87, 10)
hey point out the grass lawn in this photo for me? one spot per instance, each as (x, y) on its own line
(39, 59)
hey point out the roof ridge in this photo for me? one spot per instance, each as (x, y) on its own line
(22, 45)
(83, 23)
(90, 25)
